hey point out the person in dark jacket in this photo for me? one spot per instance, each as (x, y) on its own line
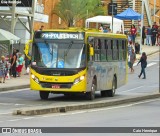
(154, 35)
(143, 34)
(13, 63)
(143, 61)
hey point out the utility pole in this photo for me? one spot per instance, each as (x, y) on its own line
(32, 18)
(13, 23)
(112, 14)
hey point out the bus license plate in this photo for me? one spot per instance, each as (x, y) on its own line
(56, 86)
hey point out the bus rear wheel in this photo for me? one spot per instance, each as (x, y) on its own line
(91, 94)
(43, 95)
(111, 92)
(104, 93)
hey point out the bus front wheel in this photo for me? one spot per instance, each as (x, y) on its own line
(43, 95)
(111, 92)
(91, 94)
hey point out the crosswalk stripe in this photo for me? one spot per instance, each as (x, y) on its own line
(151, 64)
(148, 65)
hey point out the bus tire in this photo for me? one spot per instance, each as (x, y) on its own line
(43, 95)
(111, 92)
(91, 94)
(104, 93)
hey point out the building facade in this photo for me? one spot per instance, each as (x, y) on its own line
(56, 22)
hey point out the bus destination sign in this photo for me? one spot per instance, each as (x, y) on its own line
(62, 35)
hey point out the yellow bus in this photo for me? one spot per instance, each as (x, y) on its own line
(73, 60)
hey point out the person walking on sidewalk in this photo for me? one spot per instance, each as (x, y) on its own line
(143, 34)
(132, 60)
(143, 61)
(133, 32)
(13, 63)
(148, 36)
(3, 69)
(154, 35)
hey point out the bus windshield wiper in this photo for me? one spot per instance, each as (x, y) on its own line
(69, 47)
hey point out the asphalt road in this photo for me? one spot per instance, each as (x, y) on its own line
(141, 114)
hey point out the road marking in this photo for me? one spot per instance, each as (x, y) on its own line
(14, 120)
(6, 113)
(155, 60)
(13, 91)
(135, 64)
(148, 65)
(132, 89)
(11, 104)
(151, 64)
(28, 118)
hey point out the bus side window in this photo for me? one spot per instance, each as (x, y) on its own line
(120, 50)
(124, 43)
(90, 42)
(109, 49)
(97, 46)
(103, 50)
(115, 50)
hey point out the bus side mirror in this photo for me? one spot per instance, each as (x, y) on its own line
(27, 50)
(91, 51)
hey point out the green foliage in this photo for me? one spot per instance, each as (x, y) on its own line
(72, 11)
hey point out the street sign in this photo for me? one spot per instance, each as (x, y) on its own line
(19, 3)
(114, 6)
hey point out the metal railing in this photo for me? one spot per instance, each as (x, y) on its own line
(146, 3)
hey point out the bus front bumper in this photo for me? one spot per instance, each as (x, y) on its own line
(71, 87)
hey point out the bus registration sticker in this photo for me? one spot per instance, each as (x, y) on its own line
(56, 86)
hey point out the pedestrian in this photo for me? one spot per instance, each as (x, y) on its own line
(27, 63)
(143, 34)
(132, 60)
(13, 63)
(154, 35)
(143, 61)
(129, 48)
(129, 38)
(3, 69)
(41, 28)
(137, 48)
(20, 64)
(105, 30)
(101, 28)
(156, 27)
(148, 35)
(133, 32)
(158, 36)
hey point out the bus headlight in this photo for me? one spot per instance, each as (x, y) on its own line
(35, 78)
(79, 79)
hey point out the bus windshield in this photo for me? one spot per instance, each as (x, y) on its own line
(59, 55)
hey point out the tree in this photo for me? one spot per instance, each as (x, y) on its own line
(72, 11)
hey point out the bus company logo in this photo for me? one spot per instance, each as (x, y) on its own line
(6, 130)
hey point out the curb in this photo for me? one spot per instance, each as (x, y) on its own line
(149, 54)
(153, 53)
(61, 109)
(14, 87)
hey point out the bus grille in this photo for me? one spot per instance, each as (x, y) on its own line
(56, 85)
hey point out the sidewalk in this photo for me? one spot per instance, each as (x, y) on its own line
(23, 81)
